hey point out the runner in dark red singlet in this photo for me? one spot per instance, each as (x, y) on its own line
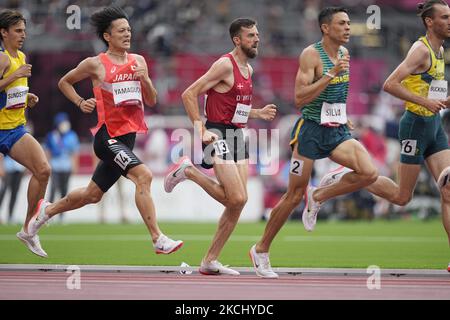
(228, 106)
(121, 88)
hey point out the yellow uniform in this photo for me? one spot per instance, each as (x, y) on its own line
(419, 84)
(420, 131)
(13, 99)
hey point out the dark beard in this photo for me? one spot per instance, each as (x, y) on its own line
(250, 54)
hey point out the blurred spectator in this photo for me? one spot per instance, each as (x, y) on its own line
(119, 199)
(156, 151)
(62, 145)
(11, 173)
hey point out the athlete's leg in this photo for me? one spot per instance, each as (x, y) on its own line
(231, 176)
(29, 153)
(298, 182)
(142, 178)
(353, 155)
(212, 187)
(16, 180)
(401, 193)
(436, 164)
(76, 199)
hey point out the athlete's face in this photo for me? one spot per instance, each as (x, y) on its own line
(248, 41)
(120, 35)
(14, 36)
(339, 28)
(440, 23)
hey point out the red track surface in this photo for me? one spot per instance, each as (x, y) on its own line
(174, 286)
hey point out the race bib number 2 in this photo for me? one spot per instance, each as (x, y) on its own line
(296, 167)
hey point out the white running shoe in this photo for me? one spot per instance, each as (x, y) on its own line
(261, 263)
(176, 174)
(165, 245)
(309, 216)
(32, 243)
(39, 219)
(215, 268)
(334, 176)
(444, 178)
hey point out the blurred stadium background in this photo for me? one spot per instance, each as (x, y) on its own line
(180, 39)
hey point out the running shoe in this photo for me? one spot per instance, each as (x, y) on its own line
(333, 176)
(40, 218)
(176, 174)
(165, 245)
(215, 268)
(32, 243)
(444, 178)
(261, 263)
(309, 216)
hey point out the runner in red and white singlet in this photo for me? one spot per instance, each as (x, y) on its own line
(121, 88)
(119, 98)
(228, 86)
(231, 107)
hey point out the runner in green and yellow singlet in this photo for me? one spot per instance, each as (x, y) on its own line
(321, 89)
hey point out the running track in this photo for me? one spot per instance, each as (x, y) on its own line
(98, 282)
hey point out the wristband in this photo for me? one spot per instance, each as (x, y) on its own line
(81, 101)
(329, 75)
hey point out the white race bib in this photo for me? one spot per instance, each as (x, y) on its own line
(241, 114)
(221, 147)
(16, 97)
(333, 113)
(438, 90)
(127, 92)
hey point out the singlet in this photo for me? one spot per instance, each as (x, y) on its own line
(119, 99)
(335, 92)
(232, 107)
(13, 99)
(419, 84)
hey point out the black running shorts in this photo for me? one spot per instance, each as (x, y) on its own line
(116, 157)
(231, 145)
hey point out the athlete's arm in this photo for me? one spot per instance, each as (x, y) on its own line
(148, 90)
(267, 113)
(306, 90)
(32, 100)
(414, 62)
(84, 70)
(218, 72)
(22, 72)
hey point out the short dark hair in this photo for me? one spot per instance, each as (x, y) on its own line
(237, 24)
(426, 9)
(326, 15)
(102, 20)
(9, 18)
